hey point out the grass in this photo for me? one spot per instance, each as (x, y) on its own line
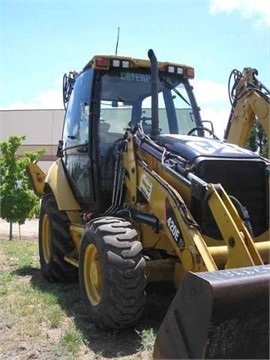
(30, 308)
(71, 339)
(148, 339)
(46, 320)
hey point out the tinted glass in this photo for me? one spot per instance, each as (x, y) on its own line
(126, 100)
(77, 115)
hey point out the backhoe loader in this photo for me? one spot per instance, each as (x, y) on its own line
(144, 192)
(250, 101)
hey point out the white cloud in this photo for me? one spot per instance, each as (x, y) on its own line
(213, 99)
(49, 99)
(219, 119)
(258, 11)
(207, 91)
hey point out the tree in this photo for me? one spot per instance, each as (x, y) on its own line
(257, 140)
(17, 200)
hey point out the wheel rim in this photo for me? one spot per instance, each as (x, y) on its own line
(46, 238)
(92, 274)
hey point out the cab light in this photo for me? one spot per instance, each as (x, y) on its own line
(125, 64)
(171, 69)
(116, 63)
(179, 71)
(102, 62)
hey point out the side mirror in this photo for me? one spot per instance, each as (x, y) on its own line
(59, 152)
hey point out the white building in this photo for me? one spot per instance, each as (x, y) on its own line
(41, 128)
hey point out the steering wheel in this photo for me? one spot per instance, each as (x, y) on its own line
(203, 129)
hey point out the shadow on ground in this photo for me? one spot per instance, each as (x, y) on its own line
(110, 344)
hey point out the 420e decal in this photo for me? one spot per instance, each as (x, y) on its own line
(173, 226)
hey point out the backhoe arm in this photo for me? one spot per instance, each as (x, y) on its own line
(250, 101)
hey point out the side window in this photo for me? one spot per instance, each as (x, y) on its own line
(77, 114)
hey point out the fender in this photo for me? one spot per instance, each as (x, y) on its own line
(36, 178)
(57, 181)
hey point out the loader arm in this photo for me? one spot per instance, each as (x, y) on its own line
(250, 101)
(176, 222)
(218, 304)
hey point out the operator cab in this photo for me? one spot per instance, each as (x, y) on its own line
(110, 95)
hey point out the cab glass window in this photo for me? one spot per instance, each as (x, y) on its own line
(126, 100)
(77, 115)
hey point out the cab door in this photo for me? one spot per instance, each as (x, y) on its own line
(77, 141)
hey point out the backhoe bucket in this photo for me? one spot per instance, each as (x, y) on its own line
(218, 315)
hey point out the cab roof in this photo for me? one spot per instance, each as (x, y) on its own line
(106, 62)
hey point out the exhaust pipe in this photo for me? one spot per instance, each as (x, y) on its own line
(154, 91)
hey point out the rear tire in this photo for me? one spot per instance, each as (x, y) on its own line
(55, 242)
(111, 272)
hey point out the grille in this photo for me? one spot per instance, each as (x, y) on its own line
(245, 180)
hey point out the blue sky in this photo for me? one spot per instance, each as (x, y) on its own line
(41, 40)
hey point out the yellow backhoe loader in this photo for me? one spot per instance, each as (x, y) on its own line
(143, 191)
(250, 101)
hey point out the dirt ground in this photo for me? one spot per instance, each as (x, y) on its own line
(25, 231)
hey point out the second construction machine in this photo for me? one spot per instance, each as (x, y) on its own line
(143, 191)
(250, 101)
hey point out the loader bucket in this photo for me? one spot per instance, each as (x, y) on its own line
(218, 315)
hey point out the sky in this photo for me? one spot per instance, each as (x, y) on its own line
(42, 40)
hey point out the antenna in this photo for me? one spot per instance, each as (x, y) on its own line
(117, 41)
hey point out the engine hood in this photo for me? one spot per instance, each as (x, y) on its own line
(193, 147)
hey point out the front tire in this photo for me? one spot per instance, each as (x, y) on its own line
(111, 272)
(55, 242)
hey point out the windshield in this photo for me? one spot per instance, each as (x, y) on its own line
(126, 100)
